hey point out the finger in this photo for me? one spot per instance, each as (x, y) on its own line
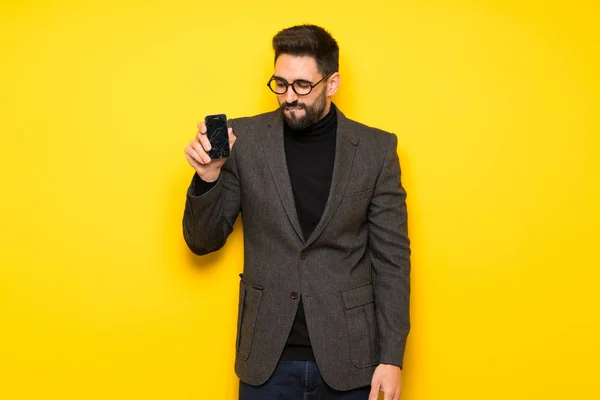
(195, 164)
(192, 162)
(198, 152)
(390, 393)
(202, 152)
(203, 140)
(193, 157)
(374, 392)
(375, 386)
(202, 128)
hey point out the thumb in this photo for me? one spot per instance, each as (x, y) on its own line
(374, 391)
(232, 138)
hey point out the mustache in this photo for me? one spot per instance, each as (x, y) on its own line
(293, 104)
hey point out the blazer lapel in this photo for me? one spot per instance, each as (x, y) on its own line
(275, 154)
(345, 148)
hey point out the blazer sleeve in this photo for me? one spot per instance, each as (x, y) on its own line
(390, 254)
(208, 218)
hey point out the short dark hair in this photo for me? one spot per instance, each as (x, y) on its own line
(309, 40)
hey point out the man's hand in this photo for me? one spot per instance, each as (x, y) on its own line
(388, 379)
(197, 155)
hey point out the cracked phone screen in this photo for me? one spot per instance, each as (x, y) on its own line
(216, 131)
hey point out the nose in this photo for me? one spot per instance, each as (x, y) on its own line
(290, 96)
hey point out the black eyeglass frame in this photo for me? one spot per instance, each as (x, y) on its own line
(293, 84)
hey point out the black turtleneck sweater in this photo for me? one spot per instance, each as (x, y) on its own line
(310, 154)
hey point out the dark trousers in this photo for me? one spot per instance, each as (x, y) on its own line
(298, 380)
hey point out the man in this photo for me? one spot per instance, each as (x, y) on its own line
(324, 297)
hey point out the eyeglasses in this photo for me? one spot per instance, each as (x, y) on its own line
(300, 86)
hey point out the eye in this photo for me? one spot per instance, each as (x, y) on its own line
(303, 84)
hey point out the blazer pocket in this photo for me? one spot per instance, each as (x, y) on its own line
(357, 196)
(248, 306)
(362, 325)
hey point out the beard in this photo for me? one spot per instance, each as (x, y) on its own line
(312, 113)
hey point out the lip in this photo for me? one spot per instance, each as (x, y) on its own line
(294, 108)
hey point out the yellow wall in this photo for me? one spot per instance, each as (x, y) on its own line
(496, 107)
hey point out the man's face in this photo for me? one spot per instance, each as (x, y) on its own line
(301, 111)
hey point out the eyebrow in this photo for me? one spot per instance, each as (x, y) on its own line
(285, 80)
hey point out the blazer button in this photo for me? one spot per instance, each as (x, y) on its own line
(294, 295)
(303, 256)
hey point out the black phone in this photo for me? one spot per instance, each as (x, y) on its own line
(216, 131)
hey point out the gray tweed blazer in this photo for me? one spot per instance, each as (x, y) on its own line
(352, 272)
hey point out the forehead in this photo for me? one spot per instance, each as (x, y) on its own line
(292, 67)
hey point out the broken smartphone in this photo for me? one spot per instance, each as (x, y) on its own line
(216, 131)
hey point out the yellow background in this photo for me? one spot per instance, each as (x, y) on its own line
(496, 107)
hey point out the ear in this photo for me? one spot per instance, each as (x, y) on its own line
(333, 83)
